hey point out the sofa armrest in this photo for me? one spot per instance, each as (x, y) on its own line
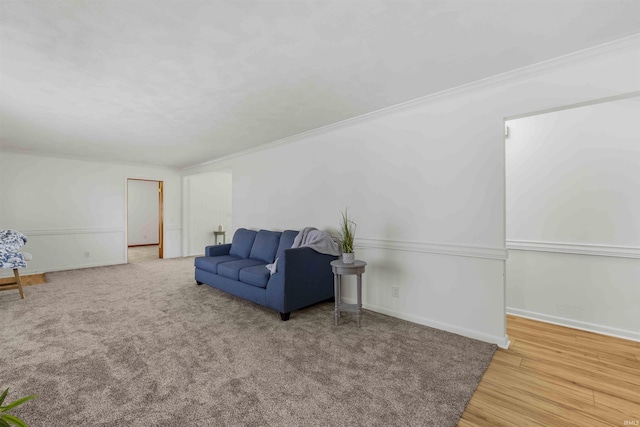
(217, 250)
(304, 277)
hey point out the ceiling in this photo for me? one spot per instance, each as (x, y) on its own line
(178, 83)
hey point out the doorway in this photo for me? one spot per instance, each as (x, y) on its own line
(145, 228)
(571, 178)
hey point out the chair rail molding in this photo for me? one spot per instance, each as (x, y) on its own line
(433, 248)
(64, 231)
(574, 248)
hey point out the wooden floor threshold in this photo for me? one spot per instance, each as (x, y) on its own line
(557, 376)
(27, 280)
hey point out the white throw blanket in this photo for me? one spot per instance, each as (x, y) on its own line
(311, 237)
(319, 241)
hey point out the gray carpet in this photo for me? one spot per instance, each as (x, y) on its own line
(142, 345)
(138, 254)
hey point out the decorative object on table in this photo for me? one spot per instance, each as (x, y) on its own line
(219, 227)
(7, 419)
(347, 234)
(341, 268)
(10, 257)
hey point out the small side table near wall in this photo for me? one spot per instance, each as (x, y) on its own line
(341, 269)
(220, 233)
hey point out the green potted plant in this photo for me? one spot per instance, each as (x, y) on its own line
(7, 419)
(347, 234)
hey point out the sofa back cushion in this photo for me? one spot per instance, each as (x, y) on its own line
(265, 246)
(286, 241)
(242, 242)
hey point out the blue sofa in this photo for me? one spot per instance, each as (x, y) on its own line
(303, 276)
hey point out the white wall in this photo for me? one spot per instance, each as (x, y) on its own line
(425, 184)
(69, 207)
(574, 175)
(142, 212)
(594, 293)
(573, 180)
(207, 203)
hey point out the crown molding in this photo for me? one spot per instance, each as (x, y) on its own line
(54, 155)
(626, 43)
(433, 248)
(573, 248)
(633, 94)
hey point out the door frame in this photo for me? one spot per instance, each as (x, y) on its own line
(160, 215)
(506, 119)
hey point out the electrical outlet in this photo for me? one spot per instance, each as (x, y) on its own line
(395, 291)
(87, 254)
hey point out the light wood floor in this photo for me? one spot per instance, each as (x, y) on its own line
(557, 376)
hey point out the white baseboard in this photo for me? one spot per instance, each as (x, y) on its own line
(500, 341)
(576, 324)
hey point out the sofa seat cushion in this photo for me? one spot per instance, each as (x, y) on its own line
(258, 275)
(211, 263)
(231, 270)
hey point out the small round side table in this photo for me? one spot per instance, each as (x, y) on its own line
(340, 269)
